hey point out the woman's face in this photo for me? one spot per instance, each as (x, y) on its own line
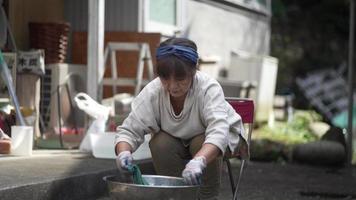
(177, 87)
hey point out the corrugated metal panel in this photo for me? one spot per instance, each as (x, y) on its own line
(120, 15)
(76, 13)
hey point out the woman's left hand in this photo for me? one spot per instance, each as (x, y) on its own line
(194, 170)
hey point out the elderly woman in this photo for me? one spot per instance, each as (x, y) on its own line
(191, 123)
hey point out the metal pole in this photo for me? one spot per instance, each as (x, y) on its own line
(6, 21)
(350, 80)
(6, 76)
(96, 14)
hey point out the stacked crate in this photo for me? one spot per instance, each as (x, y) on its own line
(52, 37)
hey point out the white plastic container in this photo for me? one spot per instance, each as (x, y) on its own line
(103, 146)
(21, 140)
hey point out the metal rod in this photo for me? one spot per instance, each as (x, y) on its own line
(350, 80)
(229, 169)
(239, 179)
(70, 99)
(59, 116)
(14, 47)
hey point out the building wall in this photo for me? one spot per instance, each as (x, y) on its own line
(218, 31)
(23, 11)
(234, 29)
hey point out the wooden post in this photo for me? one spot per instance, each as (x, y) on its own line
(95, 45)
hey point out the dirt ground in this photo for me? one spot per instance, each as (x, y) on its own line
(270, 180)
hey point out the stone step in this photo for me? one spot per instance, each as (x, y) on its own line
(57, 174)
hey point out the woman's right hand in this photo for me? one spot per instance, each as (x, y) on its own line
(124, 160)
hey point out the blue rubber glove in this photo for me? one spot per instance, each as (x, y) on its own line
(194, 170)
(124, 160)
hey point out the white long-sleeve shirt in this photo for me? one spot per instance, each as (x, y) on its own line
(205, 111)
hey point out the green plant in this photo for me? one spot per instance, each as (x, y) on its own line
(293, 132)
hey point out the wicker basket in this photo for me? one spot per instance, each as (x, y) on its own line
(52, 37)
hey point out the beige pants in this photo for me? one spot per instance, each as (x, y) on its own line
(171, 154)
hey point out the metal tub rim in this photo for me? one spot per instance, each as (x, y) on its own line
(107, 179)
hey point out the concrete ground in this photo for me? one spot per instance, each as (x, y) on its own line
(68, 174)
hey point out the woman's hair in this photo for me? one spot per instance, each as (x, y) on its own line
(172, 64)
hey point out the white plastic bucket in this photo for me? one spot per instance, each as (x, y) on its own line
(21, 140)
(103, 146)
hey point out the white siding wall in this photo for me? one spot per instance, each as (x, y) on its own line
(219, 31)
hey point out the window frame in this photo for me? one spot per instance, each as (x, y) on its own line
(150, 25)
(251, 5)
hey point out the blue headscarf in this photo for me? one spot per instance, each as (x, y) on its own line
(184, 52)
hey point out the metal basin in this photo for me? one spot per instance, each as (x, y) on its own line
(159, 188)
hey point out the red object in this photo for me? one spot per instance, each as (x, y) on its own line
(244, 107)
(70, 131)
(112, 125)
(5, 146)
